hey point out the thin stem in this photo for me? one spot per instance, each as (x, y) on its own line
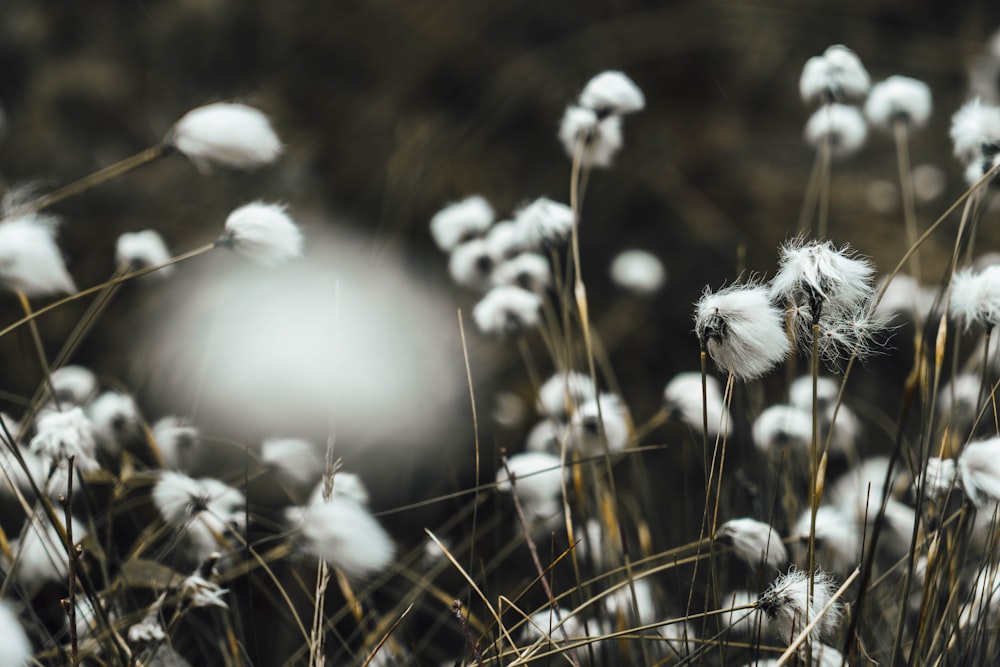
(39, 348)
(900, 129)
(74, 556)
(823, 215)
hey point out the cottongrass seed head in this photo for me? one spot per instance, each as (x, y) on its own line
(538, 479)
(30, 260)
(459, 222)
(139, 250)
(545, 223)
(471, 265)
(507, 310)
(742, 330)
(841, 127)
(225, 134)
(835, 76)
(74, 384)
(61, 435)
(598, 139)
(204, 510)
(345, 535)
(786, 605)
(940, 477)
(754, 542)
(16, 650)
(975, 132)
(979, 472)
(780, 426)
(638, 272)
(528, 270)
(975, 296)
(682, 399)
(264, 233)
(598, 421)
(560, 395)
(898, 99)
(612, 92)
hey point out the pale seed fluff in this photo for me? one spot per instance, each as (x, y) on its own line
(838, 542)
(459, 222)
(781, 426)
(836, 75)
(754, 542)
(264, 233)
(563, 392)
(200, 592)
(975, 297)
(979, 472)
(346, 485)
(904, 295)
(204, 510)
(63, 434)
(597, 140)
(786, 605)
(177, 440)
(940, 477)
(545, 223)
(346, 536)
(840, 126)
(529, 270)
(116, 421)
(139, 250)
(823, 276)
(742, 330)
(546, 436)
(682, 399)
(16, 650)
(74, 384)
(612, 92)
(898, 98)
(41, 553)
(472, 264)
(504, 239)
(30, 260)
(639, 272)
(598, 421)
(296, 459)
(800, 393)
(975, 132)
(538, 481)
(958, 400)
(226, 134)
(744, 622)
(507, 310)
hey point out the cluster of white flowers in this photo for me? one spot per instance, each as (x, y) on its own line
(975, 133)
(833, 78)
(591, 129)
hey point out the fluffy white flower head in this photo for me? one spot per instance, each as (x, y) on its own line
(612, 92)
(545, 223)
(176, 440)
(754, 542)
(782, 426)
(138, 250)
(529, 270)
(786, 605)
(471, 265)
(461, 221)
(822, 275)
(835, 76)
(264, 233)
(975, 297)
(226, 134)
(538, 479)
(546, 436)
(345, 535)
(42, 552)
(563, 392)
(838, 544)
(205, 510)
(742, 330)
(639, 272)
(939, 477)
(74, 384)
(979, 472)
(598, 139)
(16, 651)
(64, 434)
(504, 239)
(507, 310)
(682, 398)
(116, 419)
(975, 131)
(841, 126)
(596, 419)
(899, 98)
(30, 261)
(296, 459)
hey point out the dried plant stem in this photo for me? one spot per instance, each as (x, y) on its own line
(456, 610)
(93, 180)
(901, 134)
(385, 637)
(73, 553)
(36, 339)
(823, 214)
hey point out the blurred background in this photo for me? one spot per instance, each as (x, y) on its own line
(389, 111)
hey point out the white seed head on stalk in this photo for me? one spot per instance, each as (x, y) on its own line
(754, 542)
(786, 605)
(682, 399)
(597, 139)
(264, 233)
(345, 535)
(507, 310)
(639, 272)
(139, 250)
(30, 261)
(612, 92)
(840, 126)
(459, 222)
(835, 76)
(898, 98)
(225, 134)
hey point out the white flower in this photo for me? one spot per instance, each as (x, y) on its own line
(201, 592)
(264, 233)
(74, 384)
(64, 434)
(841, 126)
(16, 650)
(471, 265)
(838, 543)
(754, 542)
(545, 223)
(296, 459)
(782, 426)
(939, 478)
(836, 75)
(205, 510)
(682, 398)
(975, 297)
(612, 92)
(786, 605)
(958, 401)
(861, 333)
(563, 392)
(30, 261)
(859, 491)
(800, 393)
(979, 472)
(41, 553)
(586, 430)
(975, 132)
(743, 622)
(742, 330)
(149, 630)
(905, 295)
(639, 272)
(529, 270)
(346, 485)
(460, 222)
(138, 250)
(546, 436)
(538, 480)
(601, 138)
(898, 98)
(346, 536)
(507, 310)
(176, 440)
(116, 421)
(929, 183)
(621, 603)
(231, 135)
(504, 239)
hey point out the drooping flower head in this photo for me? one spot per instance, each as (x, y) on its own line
(899, 99)
(204, 510)
(61, 435)
(742, 330)
(459, 222)
(975, 296)
(682, 400)
(226, 134)
(30, 261)
(979, 472)
(345, 535)
(263, 233)
(545, 223)
(835, 76)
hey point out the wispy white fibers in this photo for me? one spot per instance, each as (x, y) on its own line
(899, 99)
(835, 76)
(60, 435)
(507, 310)
(837, 539)
(682, 399)
(528, 270)
(40, 553)
(298, 460)
(226, 134)
(538, 483)
(742, 330)
(639, 272)
(176, 439)
(975, 296)
(116, 421)
(598, 139)
(787, 604)
(780, 426)
(599, 420)
(15, 650)
(840, 126)
(345, 535)
(754, 542)
(74, 384)
(974, 129)
(30, 260)
(204, 510)
(471, 265)
(612, 92)
(979, 472)
(544, 223)
(264, 233)
(459, 222)
(940, 477)
(138, 250)
(563, 392)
